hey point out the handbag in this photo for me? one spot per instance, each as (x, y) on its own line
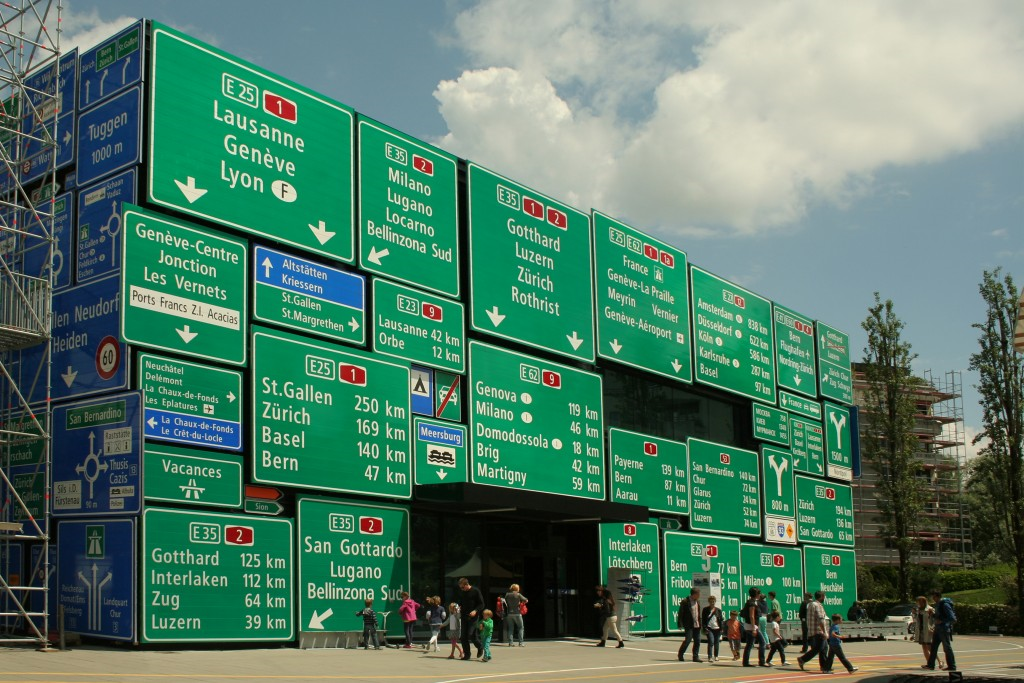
(522, 608)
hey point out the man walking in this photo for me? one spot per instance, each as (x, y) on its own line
(471, 604)
(945, 617)
(802, 613)
(817, 630)
(689, 620)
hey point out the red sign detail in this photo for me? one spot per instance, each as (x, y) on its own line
(552, 379)
(779, 560)
(432, 311)
(557, 218)
(651, 252)
(533, 207)
(835, 560)
(281, 107)
(371, 525)
(830, 494)
(108, 357)
(711, 550)
(668, 259)
(740, 301)
(629, 529)
(650, 448)
(262, 492)
(422, 164)
(352, 374)
(724, 458)
(238, 535)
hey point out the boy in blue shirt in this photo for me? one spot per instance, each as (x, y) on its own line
(835, 647)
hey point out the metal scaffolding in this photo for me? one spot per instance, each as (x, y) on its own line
(29, 43)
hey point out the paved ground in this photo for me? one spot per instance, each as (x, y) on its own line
(651, 660)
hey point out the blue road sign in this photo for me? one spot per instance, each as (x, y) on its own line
(37, 261)
(96, 577)
(111, 66)
(39, 86)
(36, 157)
(30, 483)
(110, 137)
(99, 225)
(304, 277)
(421, 387)
(97, 456)
(88, 356)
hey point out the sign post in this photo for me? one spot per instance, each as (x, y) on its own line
(419, 327)
(779, 496)
(838, 448)
(825, 513)
(833, 571)
(724, 473)
(648, 471)
(633, 548)
(775, 569)
(689, 554)
(808, 446)
(182, 475)
(441, 456)
(835, 381)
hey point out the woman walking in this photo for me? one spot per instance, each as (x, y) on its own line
(924, 625)
(606, 603)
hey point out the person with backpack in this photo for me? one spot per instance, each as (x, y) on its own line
(945, 618)
(515, 606)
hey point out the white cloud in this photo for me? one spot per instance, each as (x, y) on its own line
(85, 30)
(704, 116)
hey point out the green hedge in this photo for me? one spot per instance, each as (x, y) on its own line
(970, 618)
(969, 579)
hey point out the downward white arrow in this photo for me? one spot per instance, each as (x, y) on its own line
(231, 397)
(151, 422)
(321, 232)
(575, 340)
(676, 365)
(317, 620)
(186, 334)
(375, 256)
(267, 265)
(495, 317)
(354, 324)
(441, 474)
(69, 376)
(797, 380)
(616, 346)
(189, 189)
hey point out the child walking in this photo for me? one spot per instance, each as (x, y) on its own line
(486, 631)
(369, 625)
(734, 633)
(455, 629)
(778, 643)
(408, 613)
(835, 647)
(435, 617)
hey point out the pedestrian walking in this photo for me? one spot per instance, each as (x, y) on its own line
(471, 606)
(835, 647)
(751, 616)
(609, 619)
(817, 632)
(436, 617)
(776, 643)
(688, 619)
(407, 611)
(945, 618)
(923, 617)
(802, 613)
(486, 631)
(515, 608)
(734, 633)
(713, 620)
(455, 629)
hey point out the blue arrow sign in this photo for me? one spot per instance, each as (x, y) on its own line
(97, 455)
(111, 66)
(301, 276)
(110, 137)
(37, 253)
(96, 572)
(99, 225)
(37, 157)
(39, 87)
(167, 425)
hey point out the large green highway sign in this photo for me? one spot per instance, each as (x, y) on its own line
(180, 475)
(835, 381)
(216, 577)
(825, 513)
(732, 337)
(808, 446)
(535, 425)
(349, 553)
(419, 327)
(183, 288)
(775, 569)
(328, 418)
(530, 267)
(725, 491)
(799, 405)
(648, 471)
(408, 210)
(833, 571)
(771, 424)
(779, 495)
(794, 350)
(689, 554)
(838, 448)
(633, 548)
(643, 316)
(237, 145)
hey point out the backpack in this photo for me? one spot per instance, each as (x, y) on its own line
(947, 613)
(499, 607)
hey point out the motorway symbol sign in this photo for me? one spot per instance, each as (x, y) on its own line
(110, 137)
(835, 380)
(643, 316)
(834, 571)
(111, 66)
(779, 501)
(182, 475)
(530, 267)
(775, 569)
(419, 327)
(97, 456)
(211, 577)
(189, 403)
(733, 338)
(440, 452)
(100, 208)
(648, 471)
(771, 424)
(825, 512)
(794, 351)
(350, 553)
(408, 210)
(184, 288)
(97, 584)
(536, 425)
(325, 417)
(308, 296)
(688, 554)
(242, 147)
(808, 446)
(800, 405)
(633, 549)
(838, 449)
(725, 491)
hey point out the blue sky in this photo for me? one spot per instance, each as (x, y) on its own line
(812, 152)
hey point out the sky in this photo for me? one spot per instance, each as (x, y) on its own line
(813, 152)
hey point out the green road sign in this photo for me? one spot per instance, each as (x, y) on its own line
(825, 512)
(648, 471)
(420, 327)
(838, 450)
(808, 446)
(349, 553)
(725, 491)
(833, 571)
(775, 569)
(530, 267)
(216, 577)
(732, 337)
(629, 557)
(835, 381)
(190, 403)
(183, 288)
(441, 456)
(771, 424)
(800, 405)
(258, 506)
(25, 450)
(536, 425)
(329, 418)
(242, 147)
(408, 210)
(779, 495)
(181, 475)
(794, 351)
(702, 554)
(448, 399)
(643, 316)
(30, 483)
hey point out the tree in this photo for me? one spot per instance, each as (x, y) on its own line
(1001, 385)
(888, 442)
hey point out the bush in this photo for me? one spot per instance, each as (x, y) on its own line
(969, 579)
(978, 619)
